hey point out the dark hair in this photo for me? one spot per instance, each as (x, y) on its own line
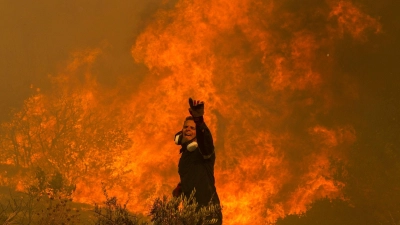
(189, 118)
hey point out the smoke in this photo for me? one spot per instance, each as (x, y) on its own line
(265, 71)
(272, 74)
(38, 38)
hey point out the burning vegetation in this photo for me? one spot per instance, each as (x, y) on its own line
(267, 70)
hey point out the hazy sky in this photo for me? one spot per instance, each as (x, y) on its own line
(301, 79)
(37, 37)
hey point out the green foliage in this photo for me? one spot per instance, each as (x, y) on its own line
(164, 211)
(114, 213)
(48, 200)
(182, 210)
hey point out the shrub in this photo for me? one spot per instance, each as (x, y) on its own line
(181, 211)
(114, 213)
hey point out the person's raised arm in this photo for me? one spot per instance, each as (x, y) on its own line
(203, 134)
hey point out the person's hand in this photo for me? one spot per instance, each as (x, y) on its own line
(196, 108)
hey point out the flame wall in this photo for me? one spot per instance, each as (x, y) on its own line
(266, 71)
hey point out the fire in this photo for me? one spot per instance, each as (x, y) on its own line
(264, 80)
(262, 69)
(352, 20)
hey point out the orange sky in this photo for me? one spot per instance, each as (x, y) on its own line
(287, 87)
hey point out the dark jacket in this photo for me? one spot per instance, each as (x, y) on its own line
(196, 168)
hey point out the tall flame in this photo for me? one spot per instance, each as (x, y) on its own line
(264, 70)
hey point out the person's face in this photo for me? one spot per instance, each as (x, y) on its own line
(188, 131)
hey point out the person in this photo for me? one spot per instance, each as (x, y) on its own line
(196, 164)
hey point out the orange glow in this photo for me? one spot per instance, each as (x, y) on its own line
(352, 20)
(228, 54)
(264, 81)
